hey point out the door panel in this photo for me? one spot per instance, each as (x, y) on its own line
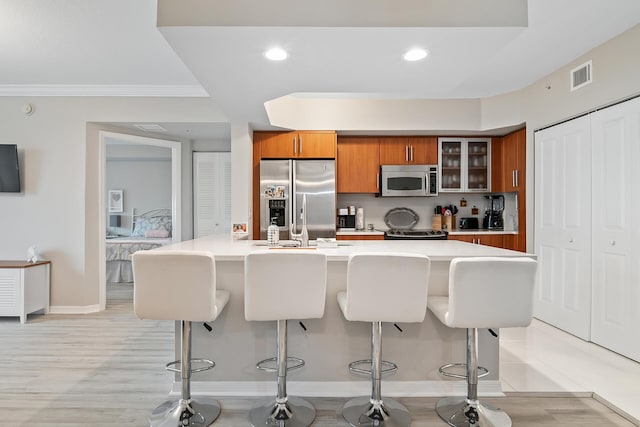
(616, 266)
(563, 218)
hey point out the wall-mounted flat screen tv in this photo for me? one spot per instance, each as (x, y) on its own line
(9, 170)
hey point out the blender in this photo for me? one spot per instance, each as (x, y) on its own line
(493, 216)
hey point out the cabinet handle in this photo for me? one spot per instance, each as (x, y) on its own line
(294, 146)
(412, 153)
(612, 242)
(378, 181)
(513, 178)
(478, 240)
(517, 178)
(300, 145)
(406, 153)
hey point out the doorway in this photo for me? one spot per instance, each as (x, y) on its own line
(128, 214)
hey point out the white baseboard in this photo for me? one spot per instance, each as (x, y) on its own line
(74, 309)
(340, 388)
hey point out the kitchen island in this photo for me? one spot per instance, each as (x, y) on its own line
(329, 344)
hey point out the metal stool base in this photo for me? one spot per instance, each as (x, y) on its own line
(394, 414)
(296, 413)
(457, 412)
(199, 412)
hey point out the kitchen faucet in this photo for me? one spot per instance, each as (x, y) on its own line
(303, 236)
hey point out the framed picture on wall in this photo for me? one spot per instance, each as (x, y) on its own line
(115, 201)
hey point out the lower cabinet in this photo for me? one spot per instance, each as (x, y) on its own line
(360, 237)
(495, 240)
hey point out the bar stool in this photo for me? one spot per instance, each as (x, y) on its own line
(382, 287)
(179, 285)
(281, 285)
(484, 292)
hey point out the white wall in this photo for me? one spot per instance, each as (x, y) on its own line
(57, 210)
(143, 172)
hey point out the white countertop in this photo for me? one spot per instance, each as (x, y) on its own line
(455, 232)
(224, 248)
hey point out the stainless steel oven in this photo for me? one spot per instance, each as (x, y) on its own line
(410, 180)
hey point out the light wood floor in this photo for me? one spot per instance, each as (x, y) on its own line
(106, 369)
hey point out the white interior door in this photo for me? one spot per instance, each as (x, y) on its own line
(211, 193)
(563, 226)
(616, 239)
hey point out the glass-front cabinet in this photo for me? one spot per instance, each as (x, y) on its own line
(464, 164)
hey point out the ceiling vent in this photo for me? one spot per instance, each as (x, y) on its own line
(581, 76)
(151, 128)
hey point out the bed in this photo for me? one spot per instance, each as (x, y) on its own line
(149, 230)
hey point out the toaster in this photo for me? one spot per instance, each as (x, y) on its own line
(469, 223)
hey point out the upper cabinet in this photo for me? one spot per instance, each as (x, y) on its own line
(412, 150)
(509, 161)
(508, 174)
(358, 165)
(297, 144)
(465, 164)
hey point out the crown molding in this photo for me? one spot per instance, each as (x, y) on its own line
(105, 90)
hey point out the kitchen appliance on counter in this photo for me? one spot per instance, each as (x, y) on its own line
(282, 186)
(409, 180)
(470, 223)
(493, 216)
(401, 222)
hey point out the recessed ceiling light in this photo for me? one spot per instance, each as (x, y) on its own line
(415, 54)
(276, 54)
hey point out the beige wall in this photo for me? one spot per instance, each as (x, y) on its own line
(58, 149)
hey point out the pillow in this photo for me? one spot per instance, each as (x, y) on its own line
(158, 232)
(155, 223)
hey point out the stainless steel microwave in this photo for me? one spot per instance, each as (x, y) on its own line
(409, 180)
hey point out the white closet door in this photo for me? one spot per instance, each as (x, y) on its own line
(211, 193)
(563, 226)
(616, 236)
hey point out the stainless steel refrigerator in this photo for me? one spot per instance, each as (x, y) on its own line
(282, 185)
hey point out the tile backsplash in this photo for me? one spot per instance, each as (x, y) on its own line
(375, 208)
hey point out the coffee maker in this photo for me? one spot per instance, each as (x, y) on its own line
(493, 216)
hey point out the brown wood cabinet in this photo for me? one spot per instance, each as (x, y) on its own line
(495, 240)
(360, 237)
(411, 150)
(358, 165)
(297, 144)
(508, 174)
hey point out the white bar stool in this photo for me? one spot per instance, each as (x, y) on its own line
(179, 285)
(483, 293)
(281, 285)
(382, 287)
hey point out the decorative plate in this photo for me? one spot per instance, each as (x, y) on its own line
(401, 219)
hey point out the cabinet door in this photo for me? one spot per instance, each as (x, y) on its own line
(277, 145)
(423, 150)
(477, 163)
(495, 240)
(469, 238)
(316, 145)
(358, 165)
(450, 153)
(394, 150)
(563, 226)
(616, 292)
(10, 296)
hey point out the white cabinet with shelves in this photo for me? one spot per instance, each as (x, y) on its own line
(24, 288)
(465, 164)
